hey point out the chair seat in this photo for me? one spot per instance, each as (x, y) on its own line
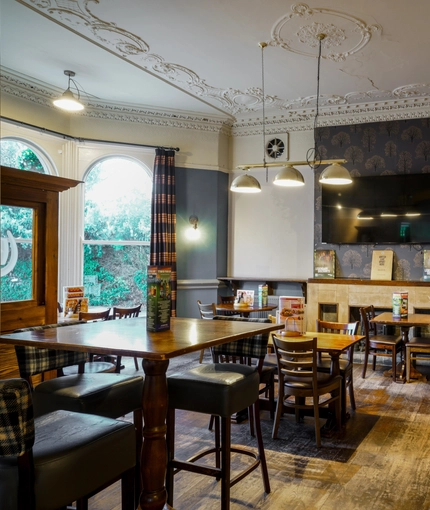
(220, 389)
(385, 339)
(418, 342)
(325, 381)
(111, 395)
(270, 360)
(324, 364)
(71, 466)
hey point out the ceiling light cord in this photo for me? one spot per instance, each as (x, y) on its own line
(75, 85)
(313, 156)
(262, 46)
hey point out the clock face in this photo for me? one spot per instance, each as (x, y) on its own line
(275, 148)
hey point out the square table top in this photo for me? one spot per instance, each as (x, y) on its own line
(129, 337)
(327, 342)
(413, 319)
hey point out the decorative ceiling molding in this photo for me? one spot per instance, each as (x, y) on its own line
(295, 32)
(304, 121)
(343, 31)
(406, 103)
(41, 94)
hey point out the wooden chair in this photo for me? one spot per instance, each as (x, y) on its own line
(345, 361)
(221, 390)
(207, 311)
(228, 299)
(378, 344)
(50, 461)
(95, 317)
(126, 313)
(417, 348)
(298, 377)
(241, 353)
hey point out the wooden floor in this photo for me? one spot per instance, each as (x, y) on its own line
(380, 461)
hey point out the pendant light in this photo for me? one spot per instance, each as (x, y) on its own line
(67, 101)
(289, 176)
(335, 173)
(245, 184)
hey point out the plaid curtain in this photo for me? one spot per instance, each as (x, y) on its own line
(163, 216)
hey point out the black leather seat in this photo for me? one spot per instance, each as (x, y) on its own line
(48, 462)
(220, 390)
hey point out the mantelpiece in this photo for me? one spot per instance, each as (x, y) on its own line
(345, 295)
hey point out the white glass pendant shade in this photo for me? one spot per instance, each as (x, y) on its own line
(68, 102)
(289, 176)
(245, 184)
(335, 174)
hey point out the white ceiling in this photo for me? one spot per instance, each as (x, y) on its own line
(202, 56)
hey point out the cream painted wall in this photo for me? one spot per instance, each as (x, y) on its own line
(271, 233)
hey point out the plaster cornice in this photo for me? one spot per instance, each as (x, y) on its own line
(293, 120)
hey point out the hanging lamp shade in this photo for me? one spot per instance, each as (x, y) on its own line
(245, 183)
(335, 174)
(289, 176)
(67, 101)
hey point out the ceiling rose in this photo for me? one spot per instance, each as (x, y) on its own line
(343, 31)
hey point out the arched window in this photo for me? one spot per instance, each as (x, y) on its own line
(117, 232)
(17, 154)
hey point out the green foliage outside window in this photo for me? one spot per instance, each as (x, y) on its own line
(18, 284)
(117, 209)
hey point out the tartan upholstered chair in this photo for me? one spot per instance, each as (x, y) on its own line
(220, 390)
(252, 350)
(50, 461)
(104, 394)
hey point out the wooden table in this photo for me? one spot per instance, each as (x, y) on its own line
(405, 324)
(244, 311)
(130, 338)
(334, 344)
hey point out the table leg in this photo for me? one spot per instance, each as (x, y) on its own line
(154, 453)
(330, 425)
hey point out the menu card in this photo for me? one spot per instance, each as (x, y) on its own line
(382, 265)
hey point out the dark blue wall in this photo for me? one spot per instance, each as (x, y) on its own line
(395, 147)
(203, 193)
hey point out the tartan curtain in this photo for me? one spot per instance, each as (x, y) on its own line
(163, 216)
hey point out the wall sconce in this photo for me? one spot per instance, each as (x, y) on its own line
(192, 232)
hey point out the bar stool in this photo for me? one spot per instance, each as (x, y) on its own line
(220, 390)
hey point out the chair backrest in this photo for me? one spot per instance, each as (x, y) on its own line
(33, 360)
(207, 311)
(346, 328)
(119, 312)
(297, 359)
(16, 418)
(368, 328)
(227, 299)
(253, 347)
(94, 316)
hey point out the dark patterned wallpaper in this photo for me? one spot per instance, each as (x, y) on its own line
(379, 148)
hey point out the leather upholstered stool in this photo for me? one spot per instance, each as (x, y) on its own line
(221, 390)
(48, 462)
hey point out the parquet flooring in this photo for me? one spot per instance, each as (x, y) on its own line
(381, 460)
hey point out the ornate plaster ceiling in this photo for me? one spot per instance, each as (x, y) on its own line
(201, 58)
